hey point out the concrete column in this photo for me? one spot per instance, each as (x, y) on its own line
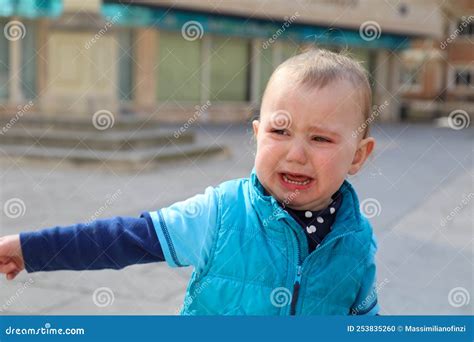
(387, 84)
(381, 83)
(42, 58)
(81, 5)
(255, 69)
(145, 73)
(277, 50)
(15, 56)
(394, 86)
(206, 48)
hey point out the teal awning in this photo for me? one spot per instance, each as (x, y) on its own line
(31, 8)
(173, 19)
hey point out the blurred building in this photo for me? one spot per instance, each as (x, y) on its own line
(438, 74)
(166, 57)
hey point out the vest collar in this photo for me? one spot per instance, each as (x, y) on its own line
(348, 217)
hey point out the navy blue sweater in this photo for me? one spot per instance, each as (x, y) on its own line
(122, 241)
(110, 243)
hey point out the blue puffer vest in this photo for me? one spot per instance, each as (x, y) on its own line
(259, 264)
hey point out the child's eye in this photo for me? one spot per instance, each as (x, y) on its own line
(321, 139)
(280, 131)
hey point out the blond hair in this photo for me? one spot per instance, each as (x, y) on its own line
(319, 67)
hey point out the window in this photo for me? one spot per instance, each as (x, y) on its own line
(179, 68)
(125, 65)
(464, 78)
(229, 69)
(28, 61)
(410, 75)
(266, 67)
(465, 27)
(367, 58)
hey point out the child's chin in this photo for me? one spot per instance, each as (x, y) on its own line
(290, 199)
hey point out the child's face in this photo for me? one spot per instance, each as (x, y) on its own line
(305, 142)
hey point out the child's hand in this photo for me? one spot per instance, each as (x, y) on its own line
(11, 258)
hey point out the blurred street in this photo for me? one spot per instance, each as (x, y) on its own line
(418, 177)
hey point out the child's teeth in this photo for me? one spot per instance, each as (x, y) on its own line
(295, 182)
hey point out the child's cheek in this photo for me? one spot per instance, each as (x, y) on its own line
(324, 157)
(263, 161)
(328, 161)
(332, 165)
(271, 148)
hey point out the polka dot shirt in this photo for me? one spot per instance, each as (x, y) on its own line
(317, 224)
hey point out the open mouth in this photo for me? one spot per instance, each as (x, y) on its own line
(295, 180)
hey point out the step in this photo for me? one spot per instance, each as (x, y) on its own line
(98, 140)
(133, 160)
(80, 123)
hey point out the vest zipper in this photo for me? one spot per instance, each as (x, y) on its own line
(299, 267)
(296, 290)
(297, 281)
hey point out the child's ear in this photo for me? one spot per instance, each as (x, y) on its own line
(364, 149)
(255, 125)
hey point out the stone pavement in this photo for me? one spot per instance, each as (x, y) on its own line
(416, 181)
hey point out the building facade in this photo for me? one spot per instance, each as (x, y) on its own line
(438, 74)
(166, 59)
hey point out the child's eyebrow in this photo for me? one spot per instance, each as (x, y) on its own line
(324, 130)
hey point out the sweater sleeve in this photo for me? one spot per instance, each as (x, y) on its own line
(108, 243)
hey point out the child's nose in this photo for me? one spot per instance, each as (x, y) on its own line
(297, 152)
